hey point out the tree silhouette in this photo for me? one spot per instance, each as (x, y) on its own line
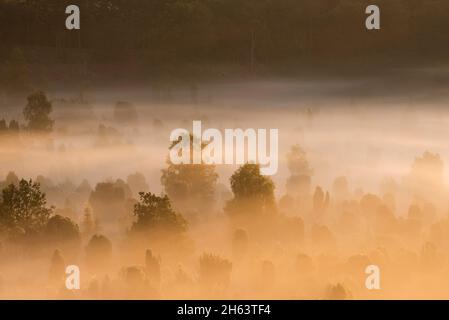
(62, 230)
(155, 215)
(24, 206)
(137, 183)
(12, 178)
(152, 267)
(337, 292)
(298, 184)
(57, 268)
(88, 224)
(99, 253)
(108, 201)
(37, 112)
(253, 192)
(191, 187)
(13, 126)
(320, 201)
(426, 178)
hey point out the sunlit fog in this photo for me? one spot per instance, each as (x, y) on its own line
(361, 182)
(92, 205)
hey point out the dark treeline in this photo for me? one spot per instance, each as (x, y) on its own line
(238, 32)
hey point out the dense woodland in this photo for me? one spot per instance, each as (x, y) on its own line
(245, 33)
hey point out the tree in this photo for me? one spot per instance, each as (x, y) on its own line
(337, 292)
(108, 202)
(37, 112)
(318, 199)
(24, 206)
(12, 178)
(88, 224)
(99, 253)
(155, 215)
(426, 178)
(190, 186)
(298, 184)
(14, 126)
(248, 183)
(152, 267)
(62, 230)
(253, 192)
(57, 268)
(137, 183)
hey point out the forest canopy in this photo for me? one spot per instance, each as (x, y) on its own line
(237, 32)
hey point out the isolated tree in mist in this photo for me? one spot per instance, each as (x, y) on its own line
(426, 178)
(98, 253)
(88, 225)
(76, 199)
(12, 178)
(57, 268)
(337, 292)
(108, 201)
(62, 230)
(137, 183)
(152, 267)
(298, 184)
(24, 206)
(37, 112)
(191, 187)
(121, 184)
(84, 189)
(320, 200)
(253, 192)
(155, 215)
(297, 162)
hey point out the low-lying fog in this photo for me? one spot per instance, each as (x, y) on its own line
(347, 128)
(374, 131)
